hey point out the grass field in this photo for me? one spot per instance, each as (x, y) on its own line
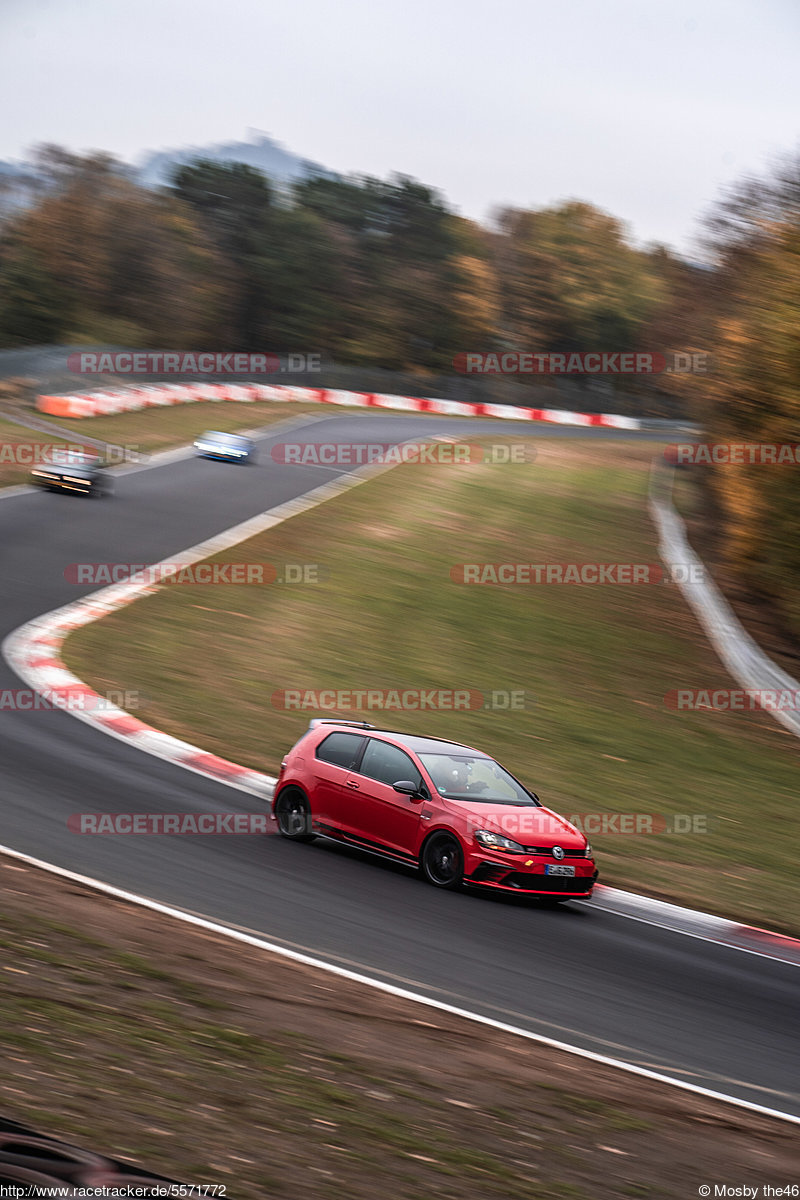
(594, 662)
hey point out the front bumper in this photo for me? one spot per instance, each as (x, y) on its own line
(513, 876)
(223, 455)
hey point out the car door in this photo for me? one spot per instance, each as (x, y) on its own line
(334, 758)
(374, 811)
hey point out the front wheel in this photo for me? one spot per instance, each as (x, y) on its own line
(293, 815)
(442, 862)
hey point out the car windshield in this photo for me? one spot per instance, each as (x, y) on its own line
(70, 458)
(474, 777)
(228, 438)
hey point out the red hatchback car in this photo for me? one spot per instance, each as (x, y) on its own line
(446, 808)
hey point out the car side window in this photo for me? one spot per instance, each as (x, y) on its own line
(341, 749)
(387, 764)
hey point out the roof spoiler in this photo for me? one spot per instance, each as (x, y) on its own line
(334, 721)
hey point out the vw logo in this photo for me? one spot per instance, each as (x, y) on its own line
(558, 852)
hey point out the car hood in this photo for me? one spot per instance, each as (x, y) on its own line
(528, 825)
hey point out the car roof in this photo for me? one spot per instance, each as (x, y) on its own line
(417, 743)
(76, 468)
(64, 456)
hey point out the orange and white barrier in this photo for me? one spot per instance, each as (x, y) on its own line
(95, 404)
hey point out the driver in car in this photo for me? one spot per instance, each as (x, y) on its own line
(461, 780)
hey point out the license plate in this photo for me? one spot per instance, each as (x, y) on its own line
(558, 869)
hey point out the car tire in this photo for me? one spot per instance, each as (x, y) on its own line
(293, 814)
(442, 862)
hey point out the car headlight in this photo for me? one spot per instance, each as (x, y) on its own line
(496, 841)
(588, 851)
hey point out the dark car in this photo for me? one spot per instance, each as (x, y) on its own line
(231, 447)
(73, 471)
(447, 809)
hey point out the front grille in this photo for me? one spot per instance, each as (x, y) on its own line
(548, 850)
(548, 883)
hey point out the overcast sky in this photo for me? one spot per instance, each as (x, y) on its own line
(642, 107)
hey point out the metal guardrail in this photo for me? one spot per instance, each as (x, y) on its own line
(753, 670)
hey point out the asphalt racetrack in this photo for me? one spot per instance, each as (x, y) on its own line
(699, 1012)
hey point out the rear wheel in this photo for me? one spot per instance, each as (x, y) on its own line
(442, 861)
(293, 815)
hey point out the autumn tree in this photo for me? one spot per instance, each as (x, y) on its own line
(31, 304)
(100, 259)
(752, 394)
(402, 253)
(234, 205)
(571, 281)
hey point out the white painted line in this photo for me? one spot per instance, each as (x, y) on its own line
(726, 929)
(19, 489)
(390, 989)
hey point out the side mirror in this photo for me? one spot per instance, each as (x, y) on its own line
(407, 788)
